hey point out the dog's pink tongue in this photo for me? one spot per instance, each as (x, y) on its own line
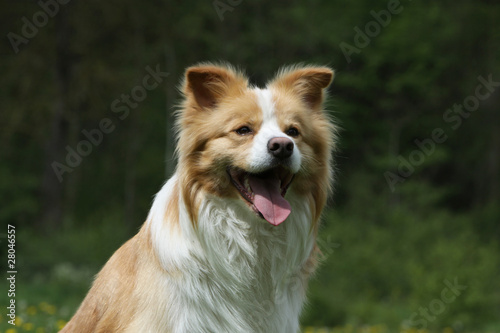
(268, 199)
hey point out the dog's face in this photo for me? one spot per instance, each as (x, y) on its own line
(255, 144)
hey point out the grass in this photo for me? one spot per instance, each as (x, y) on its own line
(46, 302)
(39, 318)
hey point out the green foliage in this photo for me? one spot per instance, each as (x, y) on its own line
(399, 260)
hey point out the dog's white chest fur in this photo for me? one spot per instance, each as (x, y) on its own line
(234, 272)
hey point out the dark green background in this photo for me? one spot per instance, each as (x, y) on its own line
(387, 249)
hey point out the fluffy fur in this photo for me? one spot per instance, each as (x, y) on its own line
(205, 260)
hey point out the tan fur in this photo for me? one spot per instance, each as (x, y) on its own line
(110, 304)
(124, 288)
(203, 128)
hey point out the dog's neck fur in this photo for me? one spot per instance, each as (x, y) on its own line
(239, 273)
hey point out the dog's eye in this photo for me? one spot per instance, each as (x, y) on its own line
(292, 131)
(244, 130)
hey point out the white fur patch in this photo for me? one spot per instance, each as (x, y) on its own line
(259, 158)
(172, 248)
(238, 272)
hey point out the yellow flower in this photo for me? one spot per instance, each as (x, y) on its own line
(60, 324)
(28, 327)
(11, 330)
(31, 310)
(18, 321)
(47, 308)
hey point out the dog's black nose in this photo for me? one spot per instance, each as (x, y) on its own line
(280, 147)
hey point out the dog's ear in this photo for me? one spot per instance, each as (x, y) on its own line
(307, 82)
(208, 84)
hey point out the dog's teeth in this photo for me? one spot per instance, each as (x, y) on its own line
(247, 184)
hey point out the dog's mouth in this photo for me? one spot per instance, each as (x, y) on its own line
(265, 191)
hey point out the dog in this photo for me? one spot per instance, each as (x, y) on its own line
(230, 241)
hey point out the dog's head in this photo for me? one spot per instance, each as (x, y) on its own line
(238, 141)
